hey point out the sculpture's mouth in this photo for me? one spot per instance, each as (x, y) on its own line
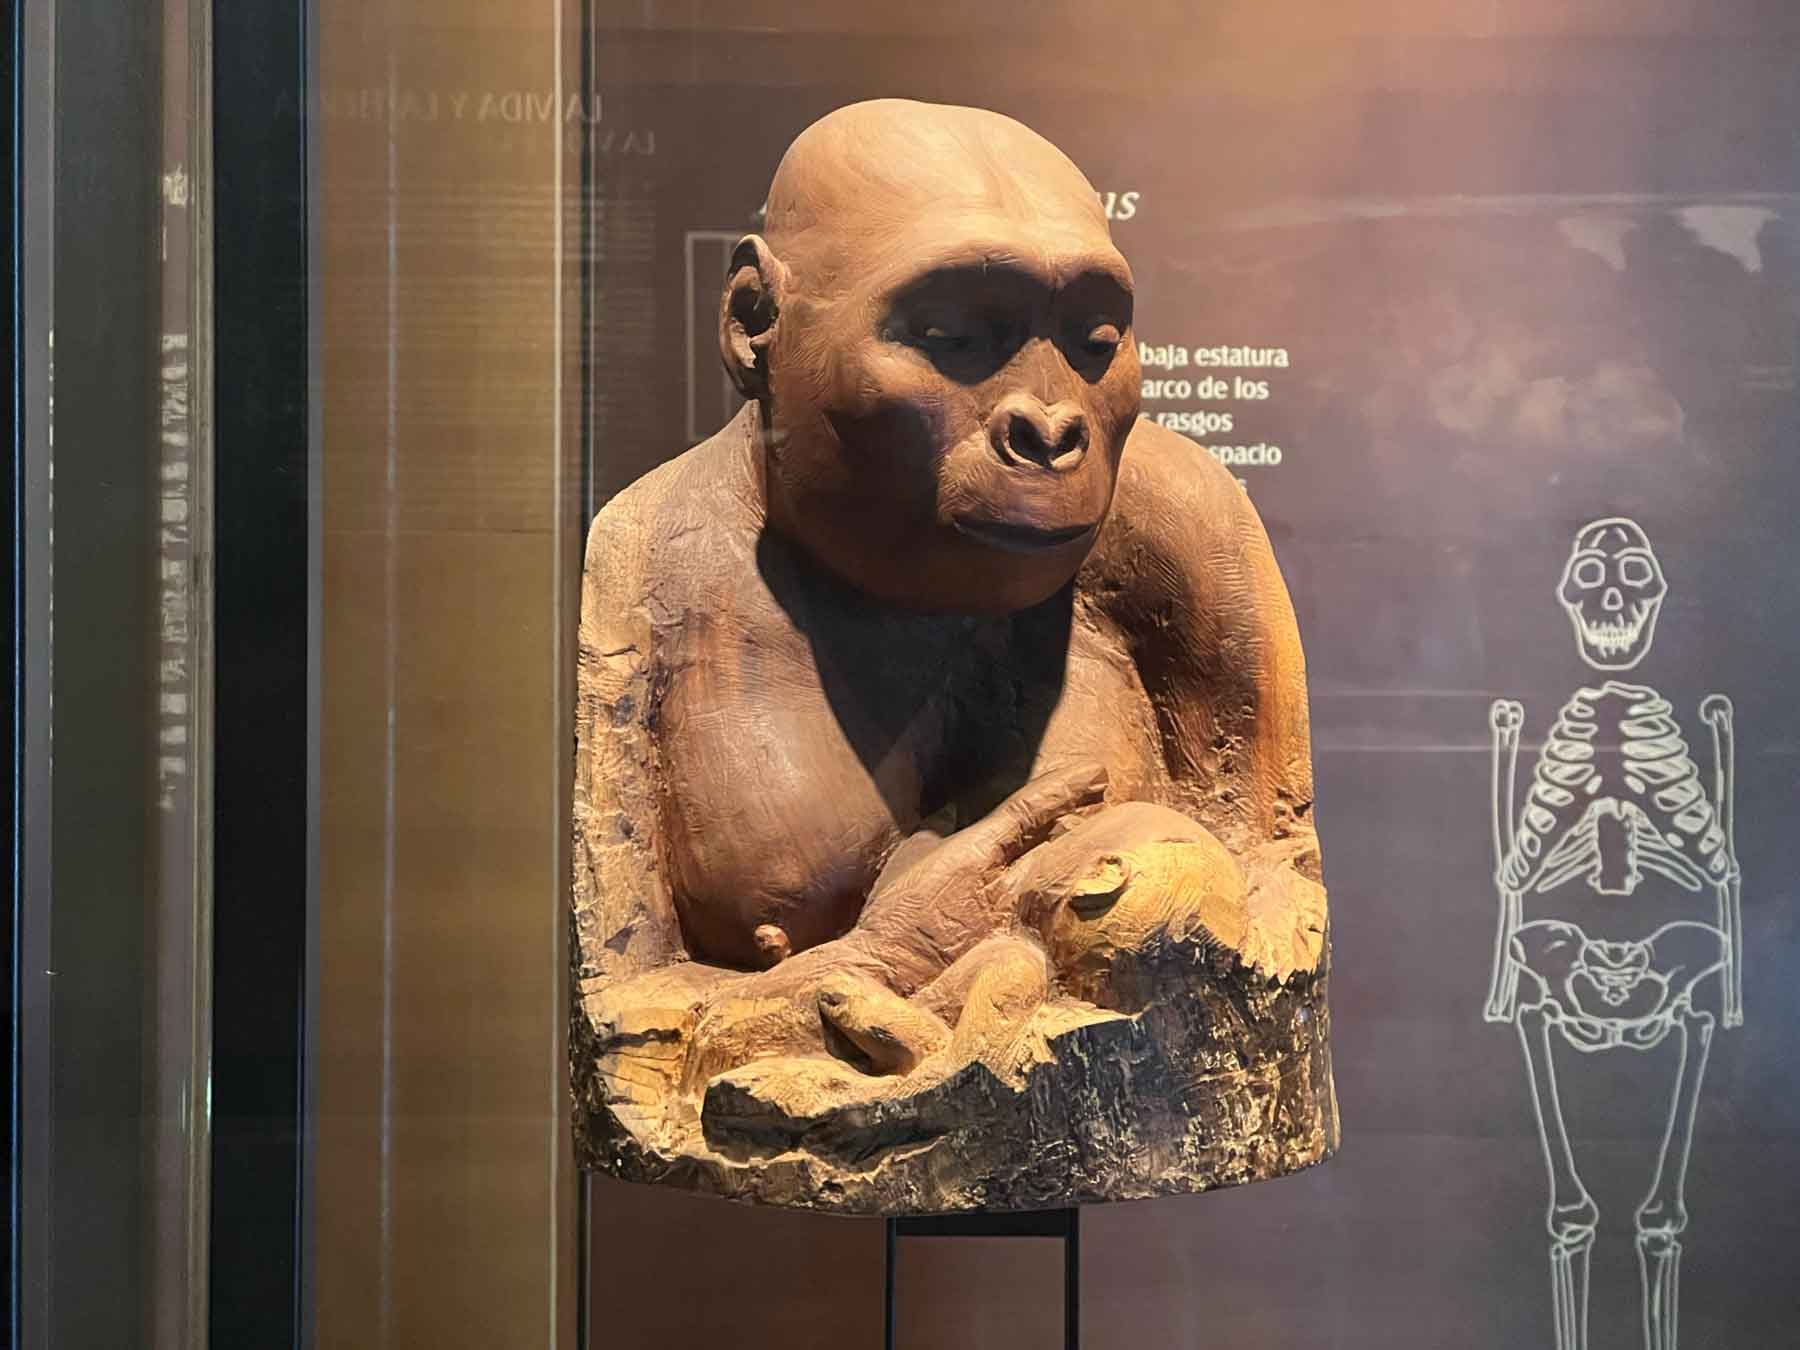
(1020, 538)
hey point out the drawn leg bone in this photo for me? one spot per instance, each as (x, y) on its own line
(1505, 717)
(1663, 1216)
(1573, 1215)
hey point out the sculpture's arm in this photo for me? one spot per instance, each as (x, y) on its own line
(935, 903)
(928, 912)
(623, 914)
(1192, 586)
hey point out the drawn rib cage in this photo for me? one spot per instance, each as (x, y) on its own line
(1612, 818)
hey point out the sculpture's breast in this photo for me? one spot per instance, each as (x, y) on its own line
(772, 817)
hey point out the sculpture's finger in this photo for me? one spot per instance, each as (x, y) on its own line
(916, 848)
(942, 904)
(1026, 818)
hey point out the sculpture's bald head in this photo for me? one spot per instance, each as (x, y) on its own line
(936, 328)
(892, 175)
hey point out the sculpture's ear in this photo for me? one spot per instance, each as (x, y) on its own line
(748, 312)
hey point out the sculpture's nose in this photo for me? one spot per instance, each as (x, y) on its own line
(1024, 433)
(1613, 600)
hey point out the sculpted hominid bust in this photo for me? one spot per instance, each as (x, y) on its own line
(943, 800)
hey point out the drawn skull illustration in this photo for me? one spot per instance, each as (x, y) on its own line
(1612, 588)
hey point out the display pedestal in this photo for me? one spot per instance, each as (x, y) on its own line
(1048, 1223)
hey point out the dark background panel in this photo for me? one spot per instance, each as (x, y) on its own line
(1533, 265)
(261, 808)
(12, 499)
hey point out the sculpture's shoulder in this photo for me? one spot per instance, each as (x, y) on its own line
(670, 532)
(1183, 572)
(1181, 532)
(634, 587)
(1166, 462)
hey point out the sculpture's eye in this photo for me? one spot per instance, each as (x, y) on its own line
(967, 346)
(1635, 570)
(941, 332)
(966, 343)
(935, 330)
(1103, 339)
(938, 339)
(1589, 572)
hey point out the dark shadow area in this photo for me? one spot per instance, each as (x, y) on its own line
(990, 684)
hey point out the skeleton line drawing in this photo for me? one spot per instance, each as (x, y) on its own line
(1614, 795)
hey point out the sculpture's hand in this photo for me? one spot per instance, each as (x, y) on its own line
(1129, 902)
(757, 1014)
(929, 909)
(885, 1033)
(934, 903)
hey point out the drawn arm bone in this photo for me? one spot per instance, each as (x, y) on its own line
(1715, 711)
(1505, 717)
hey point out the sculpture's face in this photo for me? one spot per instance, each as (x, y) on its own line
(1612, 589)
(951, 386)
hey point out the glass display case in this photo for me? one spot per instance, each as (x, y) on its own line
(336, 325)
